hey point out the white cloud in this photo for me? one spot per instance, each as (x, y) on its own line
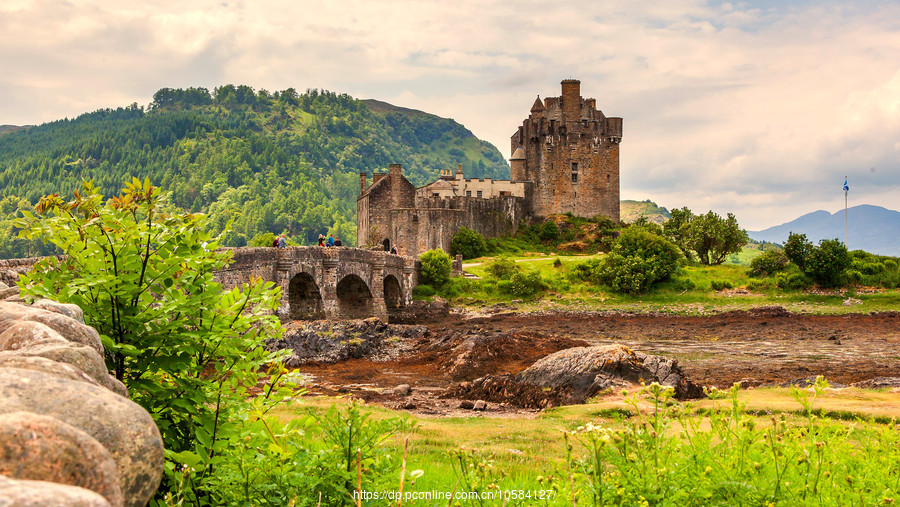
(756, 110)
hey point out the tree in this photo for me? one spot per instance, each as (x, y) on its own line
(677, 228)
(467, 243)
(188, 349)
(798, 250)
(436, 267)
(709, 236)
(828, 263)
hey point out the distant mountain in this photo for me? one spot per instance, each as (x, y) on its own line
(871, 228)
(631, 211)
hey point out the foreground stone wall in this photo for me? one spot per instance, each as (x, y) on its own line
(69, 435)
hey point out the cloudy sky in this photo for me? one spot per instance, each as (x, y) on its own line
(758, 108)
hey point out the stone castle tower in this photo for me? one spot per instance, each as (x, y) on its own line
(569, 150)
(565, 159)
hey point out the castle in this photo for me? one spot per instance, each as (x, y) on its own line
(565, 159)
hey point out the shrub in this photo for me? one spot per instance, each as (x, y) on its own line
(188, 349)
(467, 243)
(720, 285)
(436, 267)
(423, 291)
(769, 263)
(549, 231)
(828, 262)
(527, 284)
(503, 268)
(792, 281)
(638, 260)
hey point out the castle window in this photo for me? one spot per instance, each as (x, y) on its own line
(574, 172)
(574, 177)
(479, 194)
(435, 194)
(468, 193)
(607, 179)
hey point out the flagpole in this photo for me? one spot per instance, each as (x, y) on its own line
(846, 189)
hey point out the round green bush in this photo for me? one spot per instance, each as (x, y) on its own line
(638, 260)
(436, 267)
(527, 284)
(503, 268)
(769, 263)
(467, 243)
(828, 262)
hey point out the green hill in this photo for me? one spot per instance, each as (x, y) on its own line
(631, 211)
(267, 162)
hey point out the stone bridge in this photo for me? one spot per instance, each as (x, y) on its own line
(316, 282)
(332, 283)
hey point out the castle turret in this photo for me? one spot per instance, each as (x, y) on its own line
(517, 165)
(571, 99)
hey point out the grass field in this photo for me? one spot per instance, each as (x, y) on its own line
(772, 442)
(691, 292)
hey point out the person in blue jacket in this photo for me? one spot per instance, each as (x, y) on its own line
(330, 240)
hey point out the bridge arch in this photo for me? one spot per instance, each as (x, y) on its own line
(305, 298)
(393, 294)
(354, 298)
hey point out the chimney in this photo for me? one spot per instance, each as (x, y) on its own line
(395, 170)
(362, 183)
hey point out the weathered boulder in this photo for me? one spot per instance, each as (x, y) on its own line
(79, 356)
(9, 292)
(19, 493)
(67, 327)
(124, 428)
(38, 447)
(21, 334)
(589, 370)
(69, 310)
(42, 364)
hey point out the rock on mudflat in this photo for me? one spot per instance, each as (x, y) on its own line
(124, 428)
(878, 383)
(38, 447)
(18, 493)
(589, 370)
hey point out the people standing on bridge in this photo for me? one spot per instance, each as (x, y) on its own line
(321, 240)
(337, 242)
(282, 242)
(394, 250)
(275, 242)
(330, 240)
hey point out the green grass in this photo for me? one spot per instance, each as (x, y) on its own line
(690, 292)
(824, 433)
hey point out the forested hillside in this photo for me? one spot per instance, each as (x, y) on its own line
(266, 162)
